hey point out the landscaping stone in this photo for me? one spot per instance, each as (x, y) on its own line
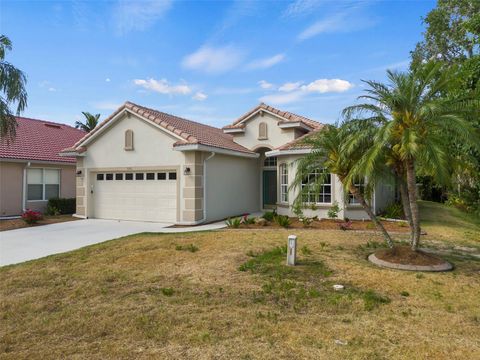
(260, 221)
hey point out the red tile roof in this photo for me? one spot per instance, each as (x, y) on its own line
(298, 143)
(191, 132)
(40, 140)
(285, 115)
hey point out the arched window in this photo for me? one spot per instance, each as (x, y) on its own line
(129, 140)
(262, 131)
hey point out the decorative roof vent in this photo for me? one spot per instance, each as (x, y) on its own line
(53, 125)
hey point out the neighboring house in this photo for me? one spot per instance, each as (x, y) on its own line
(31, 170)
(142, 164)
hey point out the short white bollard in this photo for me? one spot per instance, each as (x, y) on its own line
(292, 250)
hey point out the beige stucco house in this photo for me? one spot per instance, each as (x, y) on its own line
(31, 170)
(142, 164)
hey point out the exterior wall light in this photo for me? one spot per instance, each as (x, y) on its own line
(186, 171)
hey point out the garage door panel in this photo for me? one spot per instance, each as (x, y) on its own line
(142, 200)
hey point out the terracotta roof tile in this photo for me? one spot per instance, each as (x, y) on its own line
(298, 143)
(190, 131)
(40, 140)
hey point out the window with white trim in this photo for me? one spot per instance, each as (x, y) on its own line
(270, 161)
(359, 183)
(43, 184)
(317, 187)
(284, 183)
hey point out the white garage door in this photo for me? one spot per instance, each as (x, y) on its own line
(141, 196)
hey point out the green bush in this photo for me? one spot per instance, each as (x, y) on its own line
(333, 211)
(60, 206)
(269, 215)
(283, 221)
(233, 223)
(394, 211)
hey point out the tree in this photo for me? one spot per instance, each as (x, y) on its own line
(91, 121)
(329, 153)
(12, 88)
(414, 121)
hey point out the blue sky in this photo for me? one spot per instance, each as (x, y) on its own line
(206, 61)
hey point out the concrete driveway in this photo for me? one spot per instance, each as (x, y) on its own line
(36, 242)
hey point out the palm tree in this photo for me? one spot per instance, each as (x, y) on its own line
(330, 153)
(12, 88)
(413, 121)
(91, 121)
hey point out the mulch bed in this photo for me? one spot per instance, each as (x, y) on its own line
(406, 256)
(12, 224)
(327, 224)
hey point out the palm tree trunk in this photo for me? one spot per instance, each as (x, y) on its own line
(356, 193)
(412, 196)
(406, 205)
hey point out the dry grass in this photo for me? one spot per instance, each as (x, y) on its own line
(142, 297)
(12, 224)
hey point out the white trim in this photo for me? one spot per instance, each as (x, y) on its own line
(43, 184)
(125, 111)
(264, 110)
(71, 153)
(288, 152)
(45, 162)
(234, 131)
(200, 147)
(297, 124)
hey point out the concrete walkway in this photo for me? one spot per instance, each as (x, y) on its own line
(35, 242)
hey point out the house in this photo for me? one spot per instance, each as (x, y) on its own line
(142, 164)
(31, 169)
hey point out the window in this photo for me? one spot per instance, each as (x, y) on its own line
(162, 176)
(128, 176)
(150, 176)
(262, 131)
(43, 184)
(139, 176)
(119, 176)
(317, 187)
(100, 176)
(270, 161)
(128, 140)
(109, 176)
(283, 183)
(359, 183)
(172, 176)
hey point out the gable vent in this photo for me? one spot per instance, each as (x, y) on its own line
(54, 126)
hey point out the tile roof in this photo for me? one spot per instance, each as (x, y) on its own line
(298, 143)
(40, 140)
(285, 115)
(190, 132)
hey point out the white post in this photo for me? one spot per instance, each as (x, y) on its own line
(292, 250)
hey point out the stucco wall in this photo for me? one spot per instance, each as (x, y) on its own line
(276, 136)
(232, 186)
(11, 186)
(11, 178)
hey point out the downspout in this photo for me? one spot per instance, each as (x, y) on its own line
(24, 187)
(212, 154)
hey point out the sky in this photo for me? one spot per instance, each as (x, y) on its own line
(208, 61)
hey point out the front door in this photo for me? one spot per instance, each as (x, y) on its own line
(269, 188)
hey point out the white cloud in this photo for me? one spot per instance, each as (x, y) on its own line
(266, 62)
(213, 60)
(163, 87)
(290, 86)
(107, 105)
(138, 15)
(283, 98)
(107, 80)
(300, 7)
(52, 89)
(265, 84)
(292, 92)
(342, 22)
(200, 96)
(328, 85)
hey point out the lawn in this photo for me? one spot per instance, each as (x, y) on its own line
(228, 295)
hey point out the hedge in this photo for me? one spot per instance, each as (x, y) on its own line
(62, 206)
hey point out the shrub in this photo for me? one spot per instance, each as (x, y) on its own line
(52, 210)
(62, 205)
(306, 221)
(283, 221)
(394, 211)
(269, 215)
(333, 211)
(31, 217)
(248, 221)
(233, 223)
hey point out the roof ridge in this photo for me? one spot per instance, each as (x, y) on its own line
(46, 122)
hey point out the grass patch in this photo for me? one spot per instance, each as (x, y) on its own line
(190, 247)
